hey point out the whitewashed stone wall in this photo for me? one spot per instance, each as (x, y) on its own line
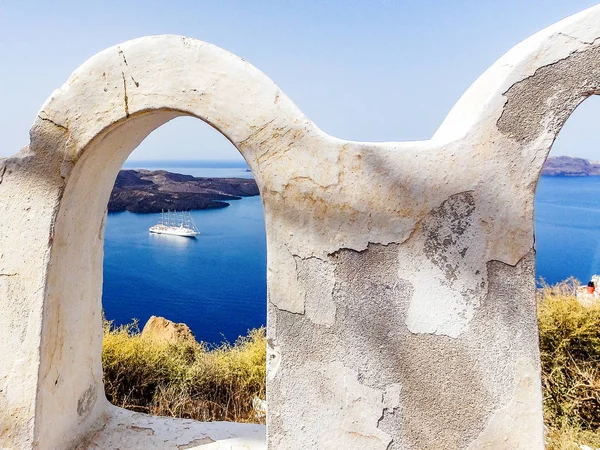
(401, 311)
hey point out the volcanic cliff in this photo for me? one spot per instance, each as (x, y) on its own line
(151, 191)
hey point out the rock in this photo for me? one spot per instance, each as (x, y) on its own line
(568, 166)
(151, 191)
(162, 329)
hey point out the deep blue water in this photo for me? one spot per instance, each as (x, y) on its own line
(217, 283)
(567, 224)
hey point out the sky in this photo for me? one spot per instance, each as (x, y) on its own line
(377, 70)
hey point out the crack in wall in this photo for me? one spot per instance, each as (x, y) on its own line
(58, 125)
(125, 98)
(576, 38)
(255, 133)
(123, 56)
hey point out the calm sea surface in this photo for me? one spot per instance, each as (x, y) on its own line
(567, 224)
(217, 283)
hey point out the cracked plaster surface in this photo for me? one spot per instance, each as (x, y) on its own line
(400, 275)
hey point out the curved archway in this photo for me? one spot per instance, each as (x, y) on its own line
(111, 110)
(80, 139)
(567, 252)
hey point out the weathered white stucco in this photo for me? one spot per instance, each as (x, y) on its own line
(401, 310)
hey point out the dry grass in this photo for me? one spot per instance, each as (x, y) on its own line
(184, 380)
(568, 438)
(570, 352)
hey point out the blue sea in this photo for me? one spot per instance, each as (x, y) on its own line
(567, 225)
(217, 283)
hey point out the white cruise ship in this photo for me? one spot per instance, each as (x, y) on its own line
(176, 224)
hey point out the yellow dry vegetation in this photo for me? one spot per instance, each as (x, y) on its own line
(187, 379)
(570, 352)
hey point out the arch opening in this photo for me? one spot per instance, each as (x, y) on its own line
(188, 295)
(567, 240)
(73, 305)
(80, 139)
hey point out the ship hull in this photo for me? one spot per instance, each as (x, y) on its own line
(176, 225)
(175, 232)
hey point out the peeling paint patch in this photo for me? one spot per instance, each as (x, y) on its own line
(195, 443)
(349, 411)
(317, 280)
(442, 231)
(285, 291)
(544, 101)
(273, 359)
(451, 281)
(509, 427)
(87, 401)
(146, 430)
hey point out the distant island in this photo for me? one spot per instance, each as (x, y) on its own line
(568, 166)
(151, 191)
